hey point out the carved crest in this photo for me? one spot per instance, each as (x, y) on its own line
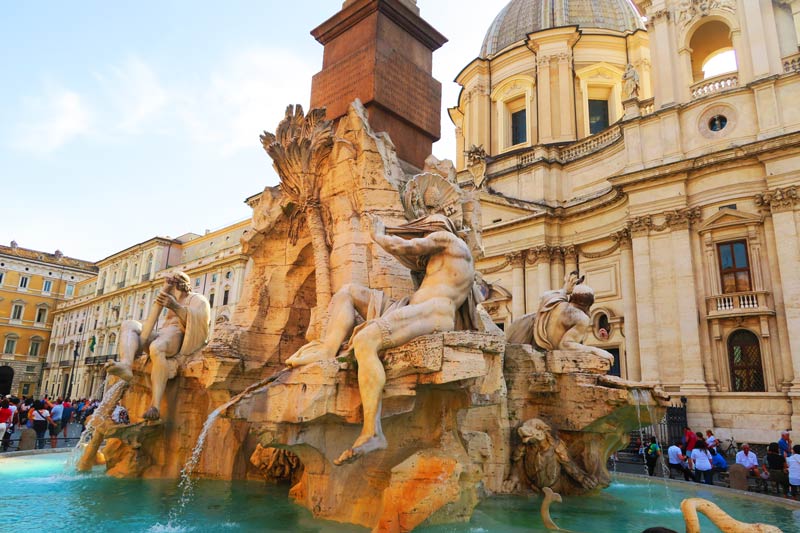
(476, 164)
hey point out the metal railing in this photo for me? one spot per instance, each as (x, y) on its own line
(101, 359)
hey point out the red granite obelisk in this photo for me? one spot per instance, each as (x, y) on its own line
(381, 52)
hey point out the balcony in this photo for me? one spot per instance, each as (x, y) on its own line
(121, 284)
(715, 85)
(100, 292)
(65, 363)
(146, 277)
(791, 63)
(101, 359)
(733, 304)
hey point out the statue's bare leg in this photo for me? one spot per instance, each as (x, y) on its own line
(130, 345)
(166, 344)
(342, 310)
(393, 329)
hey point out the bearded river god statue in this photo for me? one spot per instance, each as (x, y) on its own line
(444, 301)
(562, 321)
(183, 332)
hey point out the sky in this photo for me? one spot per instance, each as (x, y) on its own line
(120, 121)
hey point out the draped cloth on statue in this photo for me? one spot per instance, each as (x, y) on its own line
(532, 328)
(198, 323)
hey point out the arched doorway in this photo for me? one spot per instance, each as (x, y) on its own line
(6, 379)
(744, 358)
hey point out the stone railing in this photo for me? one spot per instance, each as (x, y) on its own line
(791, 63)
(146, 277)
(737, 303)
(100, 292)
(100, 359)
(591, 144)
(715, 85)
(121, 285)
(65, 363)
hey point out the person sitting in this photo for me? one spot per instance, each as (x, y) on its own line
(749, 460)
(676, 460)
(718, 462)
(794, 471)
(711, 440)
(778, 468)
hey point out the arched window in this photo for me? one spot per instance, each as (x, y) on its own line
(226, 295)
(112, 344)
(712, 50)
(211, 298)
(744, 357)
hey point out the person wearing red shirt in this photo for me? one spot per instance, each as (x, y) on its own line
(690, 439)
(5, 423)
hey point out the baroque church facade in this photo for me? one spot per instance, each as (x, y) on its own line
(658, 152)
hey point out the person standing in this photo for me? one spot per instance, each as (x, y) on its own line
(5, 423)
(701, 459)
(676, 459)
(41, 421)
(55, 414)
(785, 443)
(794, 471)
(66, 416)
(776, 463)
(689, 439)
(651, 455)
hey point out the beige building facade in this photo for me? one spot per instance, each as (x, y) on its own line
(86, 329)
(659, 153)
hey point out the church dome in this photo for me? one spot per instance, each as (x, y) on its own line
(521, 17)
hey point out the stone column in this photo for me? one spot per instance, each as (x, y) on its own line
(661, 45)
(781, 202)
(517, 261)
(686, 293)
(632, 359)
(796, 17)
(532, 290)
(543, 99)
(566, 118)
(645, 312)
(543, 269)
(570, 259)
(556, 267)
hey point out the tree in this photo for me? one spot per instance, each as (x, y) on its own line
(300, 148)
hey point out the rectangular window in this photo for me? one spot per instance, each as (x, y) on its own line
(734, 267)
(23, 282)
(2, 277)
(70, 290)
(211, 300)
(519, 127)
(225, 297)
(16, 312)
(213, 278)
(196, 282)
(30, 368)
(48, 285)
(598, 116)
(41, 315)
(26, 389)
(34, 349)
(10, 346)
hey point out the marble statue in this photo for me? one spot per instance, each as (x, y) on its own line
(630, 79)
(562, 321)
(720, 518)
(541, 458)
(184, 331)
(445, 301)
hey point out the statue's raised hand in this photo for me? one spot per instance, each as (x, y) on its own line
(570, 280)
(167, 300)
(376, 225)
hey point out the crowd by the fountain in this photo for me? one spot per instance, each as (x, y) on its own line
(45, 417)
(700, 458)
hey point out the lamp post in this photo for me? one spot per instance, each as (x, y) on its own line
(75, 355)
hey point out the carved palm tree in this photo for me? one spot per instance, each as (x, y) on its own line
(299, 149)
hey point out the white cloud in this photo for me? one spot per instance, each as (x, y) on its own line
(134, 93)
(248, 94)
(58, 117)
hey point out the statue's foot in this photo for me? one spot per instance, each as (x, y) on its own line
(151, 414)
(122, 371)
(361, 448)
(310, 353)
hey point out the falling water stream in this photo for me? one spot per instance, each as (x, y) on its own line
(103, 411)
(186, 484)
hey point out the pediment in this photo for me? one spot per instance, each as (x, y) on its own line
(599, 71)
(725, 218)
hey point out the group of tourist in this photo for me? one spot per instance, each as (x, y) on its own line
(44, 416)
(696, 457)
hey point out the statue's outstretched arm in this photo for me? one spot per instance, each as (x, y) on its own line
(434, 243)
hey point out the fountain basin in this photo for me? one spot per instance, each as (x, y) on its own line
(48, 495)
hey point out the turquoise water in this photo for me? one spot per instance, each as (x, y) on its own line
(41, 494)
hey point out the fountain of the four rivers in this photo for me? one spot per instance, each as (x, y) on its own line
(359, 366)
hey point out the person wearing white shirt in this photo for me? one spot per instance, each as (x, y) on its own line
(701, 459)
(749, 460)
(676, 459)
(794, 471)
